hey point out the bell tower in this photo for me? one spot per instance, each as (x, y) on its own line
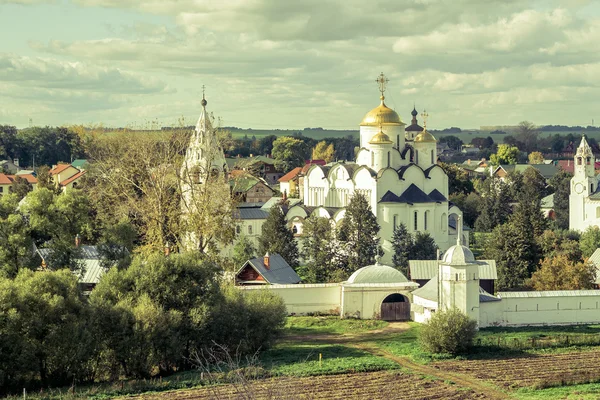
(583, 184)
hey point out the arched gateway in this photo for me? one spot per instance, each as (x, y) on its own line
(395, 307)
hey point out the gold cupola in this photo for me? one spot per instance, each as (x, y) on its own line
(381, 115)
(425, 136)
(380, 138)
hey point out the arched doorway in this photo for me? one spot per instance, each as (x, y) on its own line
(395, 307)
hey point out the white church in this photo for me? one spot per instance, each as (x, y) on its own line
(584, 200)
(395, 170)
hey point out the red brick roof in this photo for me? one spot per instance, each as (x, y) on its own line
(290, 175)
(71, 179)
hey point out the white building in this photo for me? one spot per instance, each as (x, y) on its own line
(395, 170)
(584, 200)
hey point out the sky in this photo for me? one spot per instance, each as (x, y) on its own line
(294, 64)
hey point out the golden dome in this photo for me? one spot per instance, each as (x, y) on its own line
(380, 138)
(425, 136)
(381, 115)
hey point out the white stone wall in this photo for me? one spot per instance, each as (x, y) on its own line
(302, 299)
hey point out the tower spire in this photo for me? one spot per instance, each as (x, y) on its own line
(459, 230)
(424, 115)
(203, 102)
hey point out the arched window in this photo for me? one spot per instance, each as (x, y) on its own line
(432, 156)
(416, 156)
(388, 159)
(372, 159)
(579, 161)
(425, 220)
(249, 229)
(587, 160)
(416, 224)
(238, 229)
(396, 220)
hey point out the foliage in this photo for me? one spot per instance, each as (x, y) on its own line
(561, 184)
(506, 154)
(449, 331)
(527, 136)
(510, 248)
(289, 153)
(553, 243)
(116, 244)
(242, 251)
(44, 179)
(358, 232)
(323, 151)
(402, 243)
(589, 241)
(494, 205)
(15, 238)
(560, 273)
(276, 237)
(318, 250)
(453, 142)
(458, 179)
(424, 247)
(469, 205)
(535, 157)
(20, 187)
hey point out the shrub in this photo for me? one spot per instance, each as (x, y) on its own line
(448, 331)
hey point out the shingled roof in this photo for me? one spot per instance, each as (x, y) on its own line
(413, 195)
(279, 271)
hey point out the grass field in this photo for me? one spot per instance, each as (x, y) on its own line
(329, 325)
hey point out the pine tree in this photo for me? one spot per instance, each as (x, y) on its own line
(424, 247)
(561, 183)
(402, 242)
(318, 250)
(508, 249)
(359, 230)
(277, 238)
(242, 252)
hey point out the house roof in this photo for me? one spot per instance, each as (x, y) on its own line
(549, 293)
(429, 291)
(427, 269)
(73, 178)
(79, 163)
(279, 271)
(411, 195)
(437, 196)
(546, 170)
(57, 169)
(485, 297)
(252, 213)
(377, 274)
(276, 200)
(4, 179)
(89, 258)
(548, 201)
(290, 175)
(414, 128)
(28, 177)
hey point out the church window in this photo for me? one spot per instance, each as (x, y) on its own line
(238, 229)
(249, 229)
(416, 156)
(396, 221)
(587, 160)
(372, 159)
(425, 219)
(591, 188)
(579, 160)
(416, 224)
(388, 159)
(432, 156)
(398, 141)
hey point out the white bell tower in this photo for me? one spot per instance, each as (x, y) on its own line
(583, 184)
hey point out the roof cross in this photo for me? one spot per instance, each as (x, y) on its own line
(382, 82)
(424, 115)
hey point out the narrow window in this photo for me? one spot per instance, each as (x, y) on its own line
(578, 160)
(372, 159)
(398, 141)
(416, 220)
(237, 229)
(249, 229)
(432, 156)
(395, 221)
(416, 156)
(425, 220)
(388, 159)
(591, 188)
(587, 160)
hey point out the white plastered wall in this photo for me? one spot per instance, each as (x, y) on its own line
(305, 299)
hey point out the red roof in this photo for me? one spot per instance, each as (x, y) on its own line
(60, 168)
(569, 165)
(71, 179)
(4, 179)
(291, 175)
(317, 162)
(28, 177)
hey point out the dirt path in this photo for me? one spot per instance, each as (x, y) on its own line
(479, 387)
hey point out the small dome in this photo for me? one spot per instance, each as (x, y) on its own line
(380, 138)
(381, 115)
(425, 136)
(458, 255)
(377, 274)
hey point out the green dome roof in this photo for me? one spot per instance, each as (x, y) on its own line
(377, 274)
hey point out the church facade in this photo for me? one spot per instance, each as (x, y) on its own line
(584, 200)
(396, 170)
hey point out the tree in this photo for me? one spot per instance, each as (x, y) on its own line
(483, 143)
(323, 151)
(506, 154)
(44, 179)
(289, 153)
(448, 331)
(469, 205)
(453, 142)
(458, 179)
(494, 205)
(15, 239)
(358, 230)
(535, 157)
(590, 241)
(402, 243)
(21, 187)
(510, 250)
(560, 273)
(553, 243)
(243, 251)
(528, 134)
(561, 184)
(318, 250)
(276, 237)
(424, 247)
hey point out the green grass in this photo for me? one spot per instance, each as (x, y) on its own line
(329, 325)
(588, 391)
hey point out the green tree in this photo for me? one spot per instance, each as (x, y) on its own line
(535, 157)
(289, 153)
(276, 237)
(402, 243)
(358, 231)
(590, 241)
(453, 142)
(15, 239)
(323, 151)
(511, 251)
(243, 251)
(449, 331)
(469, 205)
(116, 244)
(21, 187)
(458, 179)
(494, 205)
(318, 250)
(561, 184)
(554, 243)
(528, 134)
(44, 179)
(560, 273)
(506, 154)
(424, 247)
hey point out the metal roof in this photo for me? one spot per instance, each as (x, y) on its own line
(485, 297)
(279, 271)
(377, 274)
(548, 201)
(429, 291)
(273, 201)
(549, 293)
(90, 260)
(252, 213)
(427, 269)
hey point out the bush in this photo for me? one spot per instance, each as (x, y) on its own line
(448, 331)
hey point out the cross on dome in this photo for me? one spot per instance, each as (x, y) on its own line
(382, 82)
(203, 102)
(424, 115)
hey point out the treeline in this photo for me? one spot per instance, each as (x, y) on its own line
(152, 318)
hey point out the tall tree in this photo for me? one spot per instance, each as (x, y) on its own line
(506, 154)
(242, 251)
(318, 250)
(359, 231)
(402, 243)
(469, 204)
(323, 151)
(453, 142)
(494, 205)
(289, 153)
(561, 184)
(15, 238)
(510, 251)
(528, 134)
(276, 237)
(458, 179)
(590, 241)
(560, 273)
(424, 247)
(20, 187)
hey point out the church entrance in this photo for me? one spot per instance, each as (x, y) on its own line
(395, 307)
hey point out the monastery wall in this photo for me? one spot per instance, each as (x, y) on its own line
(364, 301)
(542, 308)
(301, 299)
